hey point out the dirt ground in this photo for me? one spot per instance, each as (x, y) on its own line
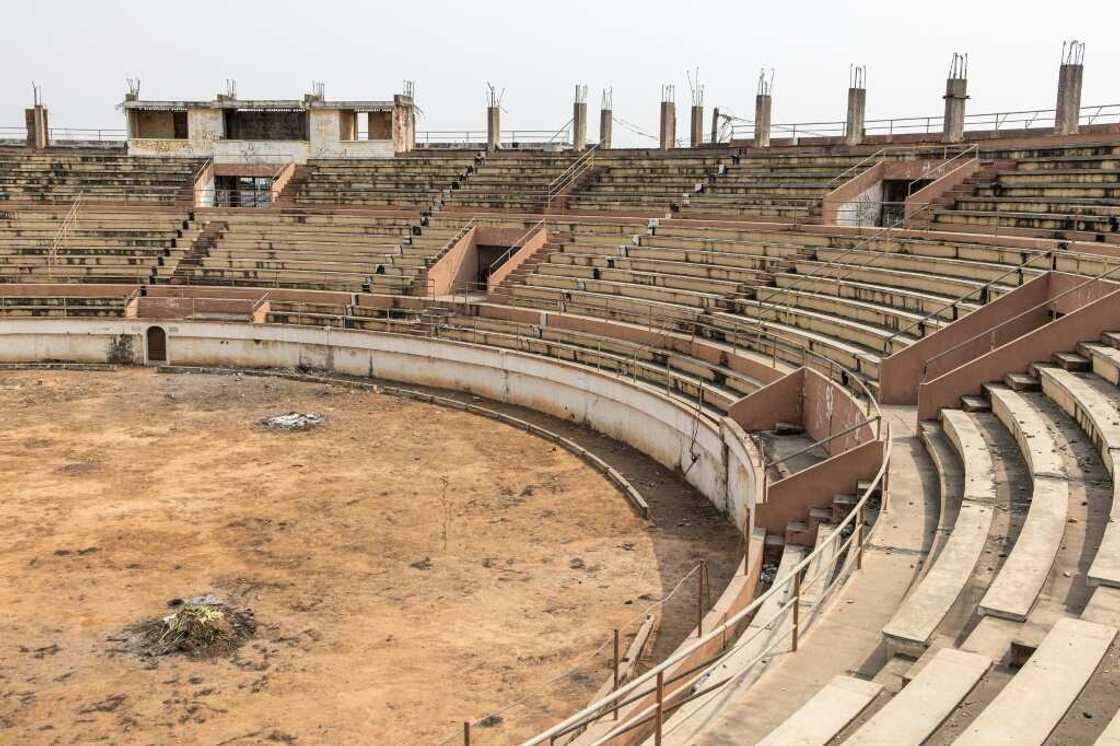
(409, 566)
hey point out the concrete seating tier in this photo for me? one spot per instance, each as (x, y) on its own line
(17, 304)
(510, 181)
(1068, 192)
(921, 613)
(315, 250)
(1036, 699)
(60, 177)
(1093, 401)
(413, 181)
(1013, 591)
(772, 186)
(646, 182)
(102, 244)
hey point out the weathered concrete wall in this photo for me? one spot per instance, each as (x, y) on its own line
(153, 124)
(662, 428)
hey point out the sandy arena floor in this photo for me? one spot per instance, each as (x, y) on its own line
(390, 607)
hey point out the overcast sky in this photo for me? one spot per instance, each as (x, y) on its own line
(81, 53)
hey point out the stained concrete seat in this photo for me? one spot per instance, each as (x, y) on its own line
(1030, 706)
(1095, 405)
(1013, 591)
(912, 715)
(913, 624)
(820, 719)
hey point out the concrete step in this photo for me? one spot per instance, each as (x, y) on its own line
(818, 721)
(974, 404)
(913, 714)
(1031, 705)
(1022, 382)
(1072, 361)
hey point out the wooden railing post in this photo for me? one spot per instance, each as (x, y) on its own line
(616, 662)
(796, 609)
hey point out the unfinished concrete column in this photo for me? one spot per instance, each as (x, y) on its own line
(1067, 114)
(493, 117)
(715, 125)
(696, 128)
(956, 94)
(857, 105)
(404, 120)
(579, 119)
(606, 119)
(668, 117)
(762, 105)
(38, 132)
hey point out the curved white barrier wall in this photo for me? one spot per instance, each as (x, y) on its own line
(714, 457)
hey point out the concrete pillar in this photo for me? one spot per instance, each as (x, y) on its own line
(404, 124)
(668, 125)
(715, 125)
(579, 125)
(1068, 110)
(493, 127)
(762, 104)
(857, 105)
(38, 130)
(696, 133)
(606, 128)
(956, 93)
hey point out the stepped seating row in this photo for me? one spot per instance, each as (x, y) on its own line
(775, 187)
(407, 181)
(645, 182)
(22, 301)
(516, 181)
(318, 251)
(1071, 192)
(62, 176)
(1027, 588)
(100, 244)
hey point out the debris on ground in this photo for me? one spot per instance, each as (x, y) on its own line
(294, 421)
(201, 627)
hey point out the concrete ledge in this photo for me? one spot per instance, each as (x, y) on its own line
(912, 626)
(1030, 706)
(917, 711)
(1022, 576)
(1095, 406)
(819, 720)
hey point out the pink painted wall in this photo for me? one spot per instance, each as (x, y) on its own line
(791, 498)
(1062, 335)
(531, 246)
(459, 265)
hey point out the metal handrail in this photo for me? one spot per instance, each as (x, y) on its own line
(516, 245)
(605, 705)
(982, 290)
(1016, 317)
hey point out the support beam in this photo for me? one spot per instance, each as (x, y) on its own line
(404, 121)
(668, 118)
(956, 94)
(1067, 113)
(715, 125)
(857, 106)
(38, 131)
(762, 108)
(579, 119)
(606, 119)
(493, 127)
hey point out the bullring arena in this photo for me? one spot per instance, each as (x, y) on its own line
(323, 429)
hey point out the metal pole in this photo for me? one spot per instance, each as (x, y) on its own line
(859, 539)
(796, 609)
(466, 733)
(700, 601)
(660, 708)
(615, 688)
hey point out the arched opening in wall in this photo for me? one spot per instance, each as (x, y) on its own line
(157, 345)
